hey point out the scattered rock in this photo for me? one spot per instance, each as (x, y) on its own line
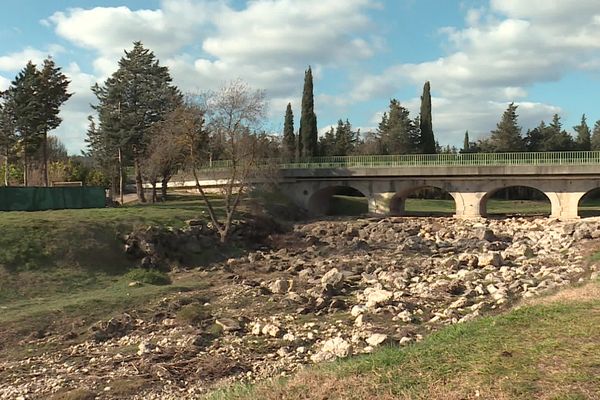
(376, 339)
(493, 259)
(279, 286)
(271, 330)
(332, 349)
(377, 297)
(228, 324)
(332, 278)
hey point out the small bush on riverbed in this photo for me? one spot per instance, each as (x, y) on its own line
(149, 276)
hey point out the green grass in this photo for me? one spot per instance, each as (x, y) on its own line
(64, 251)
(68, 268)
(549, 351)
(152, 276)
(348, 205)
(78, 310)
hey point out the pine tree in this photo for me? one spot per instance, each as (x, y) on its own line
(583, 135)
(507, 135)
(53, 93)
(8, 138)
(289, 138)
(24, 96)
(595, 142)
(466, 144)
(398, 133)
(135, 97)
(308, 120)
(345, 139)
(327, 143)
(534, 138)
(556, 138)
(427, 142)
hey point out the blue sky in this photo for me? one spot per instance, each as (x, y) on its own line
(478, 55)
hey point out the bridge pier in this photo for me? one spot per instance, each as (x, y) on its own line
(566, 205)
(468, 204)
(379, 203)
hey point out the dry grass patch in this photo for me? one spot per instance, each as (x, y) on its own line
(586, 293)
(548, 349)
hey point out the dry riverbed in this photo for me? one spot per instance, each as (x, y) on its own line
(327, 290)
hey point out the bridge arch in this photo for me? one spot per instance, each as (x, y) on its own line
(589, 203)
(539, 192)
(397, 203)
(321, 201)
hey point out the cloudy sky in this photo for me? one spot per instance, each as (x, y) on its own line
(478, 55)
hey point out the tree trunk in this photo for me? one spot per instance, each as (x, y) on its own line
(45, 161)
(25, 173)
(139, 183)
(6, 170)
(153, 191)
(113, 188)
(121, 181)
(163, 189)
(211, 210)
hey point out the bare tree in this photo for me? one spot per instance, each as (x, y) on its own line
(165, 153)
(232, 115)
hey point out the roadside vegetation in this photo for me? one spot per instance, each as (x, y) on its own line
(547, 349)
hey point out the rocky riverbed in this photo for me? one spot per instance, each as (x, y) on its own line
(327, 290)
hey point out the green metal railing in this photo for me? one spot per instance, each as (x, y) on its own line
(424, 160)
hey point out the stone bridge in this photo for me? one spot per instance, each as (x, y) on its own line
(387, 187)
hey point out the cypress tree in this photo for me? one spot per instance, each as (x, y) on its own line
(308, 120)
(289, 139)
(427, 141)
(466, 144)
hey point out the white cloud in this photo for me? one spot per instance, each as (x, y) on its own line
(4, 83)
(299, 32)
(500, 53)
(16, 61)
(267, 43)
(111, 30)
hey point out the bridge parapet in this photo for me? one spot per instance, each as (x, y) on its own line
(564, 177)
(429, 160)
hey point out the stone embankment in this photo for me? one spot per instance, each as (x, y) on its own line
(331, 289)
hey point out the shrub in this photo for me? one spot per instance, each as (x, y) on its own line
(193, 314)
(150, 276)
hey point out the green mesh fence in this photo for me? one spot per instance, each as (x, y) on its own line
(51, 198)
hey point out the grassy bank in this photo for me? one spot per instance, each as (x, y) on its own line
(60, 252)
(548, 350)
(68, 268)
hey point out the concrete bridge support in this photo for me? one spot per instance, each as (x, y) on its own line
(386, 193)
(469, 204)
(566, 205)
(379, 203)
